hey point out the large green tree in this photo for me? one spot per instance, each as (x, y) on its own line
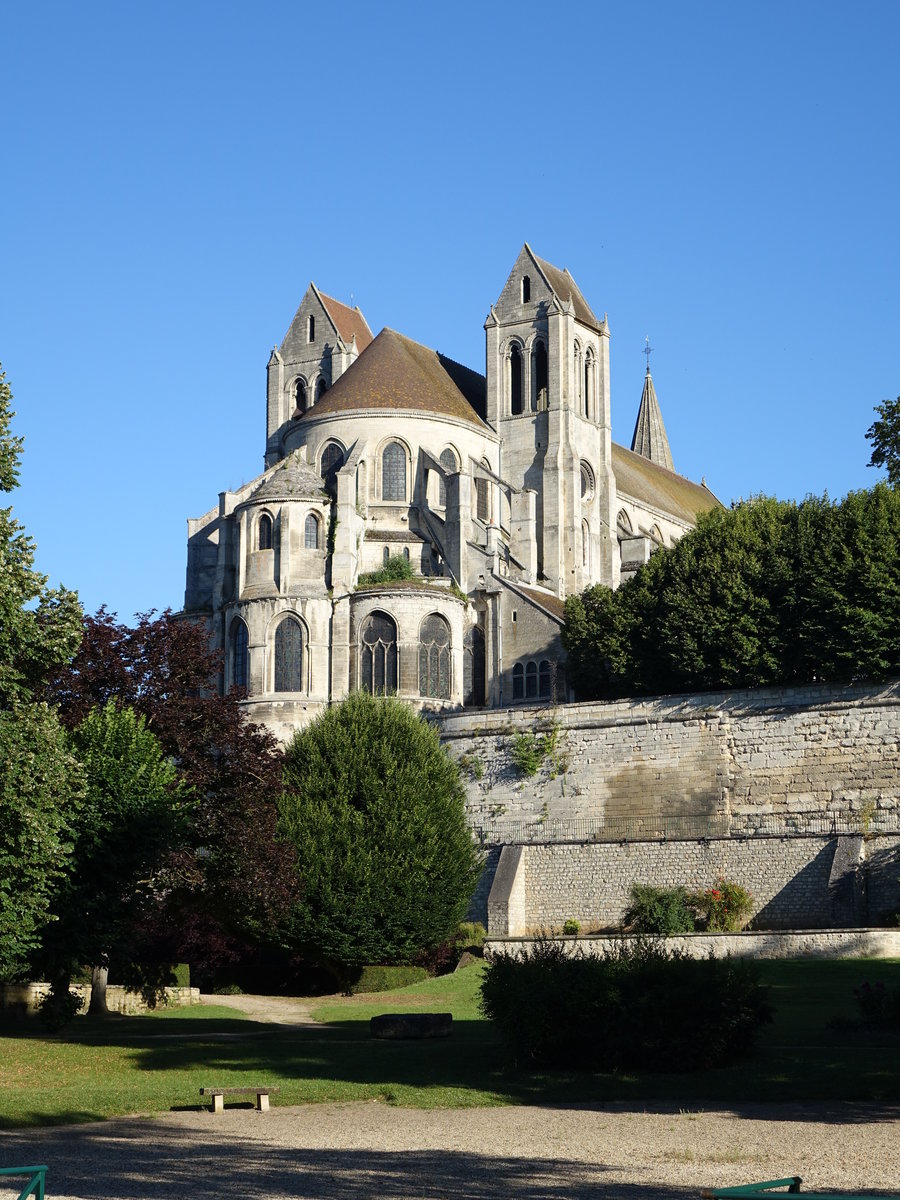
(766, 593)
(884, 434)
(374, 807)
(40, 782)
(133, 815)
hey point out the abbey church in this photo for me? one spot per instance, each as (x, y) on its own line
(418, 525)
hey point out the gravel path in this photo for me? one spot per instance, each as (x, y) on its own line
(370, 1149)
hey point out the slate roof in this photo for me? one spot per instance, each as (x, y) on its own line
(398, 373)
(660, 488)
(650, 438)
(349, 322)
(291, 479)
(564, 286)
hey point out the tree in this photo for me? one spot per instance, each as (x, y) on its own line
(375, 809)
(40, 782)
(243, 879)
(133, 815)
(40, 794)
(884, 434)
(767, 593)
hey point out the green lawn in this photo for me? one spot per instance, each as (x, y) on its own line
(159, 1062)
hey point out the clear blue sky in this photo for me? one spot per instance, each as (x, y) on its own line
(720, 176)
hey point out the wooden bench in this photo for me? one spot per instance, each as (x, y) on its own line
(218, 1096)
(35, 1185)
(764, 1191)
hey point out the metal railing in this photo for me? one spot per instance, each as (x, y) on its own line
(35, 1185)
(682, 827)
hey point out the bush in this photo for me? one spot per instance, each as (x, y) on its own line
(660, 910)
(571, 927)
(57, 1009)
(384, 979)
(725, 908)
(642, 1007)
(879, 1007)
(395, 569)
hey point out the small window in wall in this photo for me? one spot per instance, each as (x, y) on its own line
(378, 655)
(545, 679)
(311, 329)
(406, 553)
(448, 460)
(385, 555)
(393, 472)
(434, 658)
(526, 289)
(585, 544)
(311, 532)
(588, 394)
(482, 500)
(515, 381)
(240, 643)
(264, 533)
(539, 378)
(289, 656)
(321, 389)
(473, 667)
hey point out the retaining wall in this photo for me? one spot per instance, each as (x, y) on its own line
(23, 999)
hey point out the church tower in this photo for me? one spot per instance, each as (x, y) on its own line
(547, 365)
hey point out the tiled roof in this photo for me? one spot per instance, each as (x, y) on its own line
(646, 481)
(548, 601)
(565, 286)
(292, 479)
(397, 373)
(650, 439)
(348, 321)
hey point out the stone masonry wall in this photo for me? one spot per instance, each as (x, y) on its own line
(797, 882)
(738, 759)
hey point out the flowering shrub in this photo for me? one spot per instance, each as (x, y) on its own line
(725, 908)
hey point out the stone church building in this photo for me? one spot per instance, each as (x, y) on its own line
(503, 492)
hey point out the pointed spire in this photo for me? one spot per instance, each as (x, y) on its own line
(650, 439)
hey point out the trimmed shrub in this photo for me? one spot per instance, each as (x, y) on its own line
(385, 979)
(661, 910)
(641, 1007)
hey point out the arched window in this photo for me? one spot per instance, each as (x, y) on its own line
(448, 460)
(406, 553)
(585, 544)
(473, 667)
(393, 472)
(264, 533)
(299, 394)
(518, 682)
(378, 655)
(588, 393)
(385, 555)
(332, 461)
(545, 679)
(289, 656)
(579, 374)
(240, 642)
(515, 380)
(587, 482)
(539, 378)
(656, 538)
(434, 658)
(623, 524)
(311, 329)
(531, 681)
(321, 389)
(526, 289)
(483, 498)
(311, 532)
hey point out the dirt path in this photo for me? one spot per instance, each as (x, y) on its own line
(278, 1010)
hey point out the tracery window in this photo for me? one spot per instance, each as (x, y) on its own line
(289, 656)
(515, 380)
(378, 655)
(448, 460)
(393, 472)
(473, 667)
(240, 643)
(311, 532)
(434, 658)
(264, 533)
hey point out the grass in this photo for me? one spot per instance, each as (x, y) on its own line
(155, 1063)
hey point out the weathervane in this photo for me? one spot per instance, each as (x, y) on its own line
(648, 350)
